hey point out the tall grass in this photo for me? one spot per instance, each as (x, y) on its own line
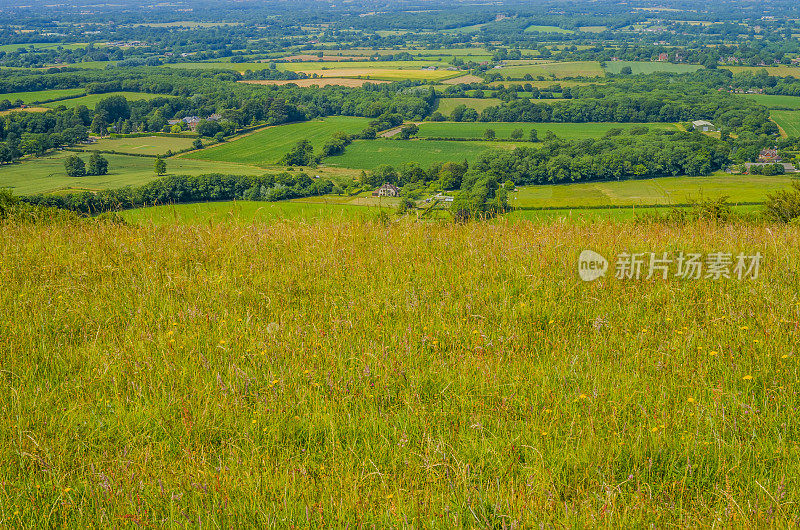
(338, 372)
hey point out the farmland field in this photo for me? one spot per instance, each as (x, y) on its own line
(788, 120)
(47, 174)
(664, 190)
(41, 95)
(146, 145)
(572, 131)
(643, 67)
(92, 99)
(266, 146)
(343, 81)
(547, 29)
(780, 71)
(775, 102)
(559, 70)
(369, 154)
(446, 105)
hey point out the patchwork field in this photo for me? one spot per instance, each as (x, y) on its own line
(92, 99)
(41, 95)
(148, 145)
(369, 154)
(666, 190)
(559, 70)
(447, 105)
(788, 120)
(780, 71)
(572, 131)
(266, 146)
(641, 67)
(47, 174)
(318, 82)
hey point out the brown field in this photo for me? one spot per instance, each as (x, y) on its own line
(463, 79)
(26, 109)
(319, 82)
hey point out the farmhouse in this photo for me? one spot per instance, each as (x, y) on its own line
(703, 126)
(769, 156)
(387, 190)
(663, 57)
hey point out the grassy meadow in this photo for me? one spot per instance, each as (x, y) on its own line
(572, 131)
(641, 67)
(47, 174)
(369, 154)
(447, 105)
(145, 145)
(38, 96)
(267, 146)
(93, 99)
(775, 102)
(557, 70)
(338, 372)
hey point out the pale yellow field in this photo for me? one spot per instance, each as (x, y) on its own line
(352, 82)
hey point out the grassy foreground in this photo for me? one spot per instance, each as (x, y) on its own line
(337, 372)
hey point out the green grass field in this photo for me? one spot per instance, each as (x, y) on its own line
(429, 375)
(148, 145)
(641, 67)
(559, 70)
(92, 99)
(47, 174)
(572, 131)
(369, 154)
(775, 102)
(446, 105)
(547, 29)
(266, 146)
(41, 95)
(788, 120)
(665, 190)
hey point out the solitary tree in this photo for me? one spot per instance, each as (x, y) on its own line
(516, 134)
(489, 134)
(161, 166)
(75, 166)
(98, 165)
(533, 136)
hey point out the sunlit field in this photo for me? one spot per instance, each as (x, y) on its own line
(350, 371)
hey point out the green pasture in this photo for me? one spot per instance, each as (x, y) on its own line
(38, 96)
(788, 120)
(146, 145)
(266, 146)
(547, 29)
(571, 131)
(775, 102)
(447, 105)
(47, 174)
(559, 70)
(92, 99)
(369, 154)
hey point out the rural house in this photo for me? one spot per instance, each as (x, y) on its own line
(703, 126)
(387, 190)
(769, 156)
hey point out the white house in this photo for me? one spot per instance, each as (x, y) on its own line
(703, 126)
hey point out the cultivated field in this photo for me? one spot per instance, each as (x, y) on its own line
(266, 146)
(664, 190)
(775, 102)
(147, 145)
(428, 375)
(788, 120)
(92, 99)
(316, 82)
(640, 67)
(504, 129)
(41, 95)
(369, 154)
(547, 29)
(559, 70)
(47, 174)
(447, 105)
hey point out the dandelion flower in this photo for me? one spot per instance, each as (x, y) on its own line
(785, 356)
(690, 400)
(654, 429)
(748, 377)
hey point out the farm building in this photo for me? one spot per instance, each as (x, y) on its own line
(703, 126)
(769, 156)
(387, 190)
